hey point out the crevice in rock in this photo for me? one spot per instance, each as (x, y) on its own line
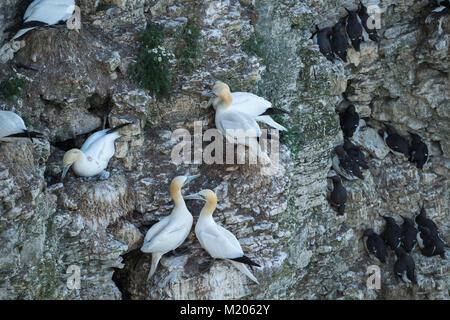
(100, 106)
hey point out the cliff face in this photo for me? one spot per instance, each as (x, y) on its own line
(283, 221)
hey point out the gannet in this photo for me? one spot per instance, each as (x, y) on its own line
(242, 111)
(44, 13)
(94, 155)
(12, 128)
(216, 240)
(374, 245)
(169, 233)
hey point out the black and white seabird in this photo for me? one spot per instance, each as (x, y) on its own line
(392, 234)
(370, 28)
(430, 244)
(12, 128)
(338, 196)
(418, 151)
(443, 8)
(428, 236)
(374, 245)
(45, 13)
(355, 153)
(322, 38)
(409, 234)
(396, 142)
(404, 267)
(345, 165)
(354, 29)
(339, 43)
(349, 120)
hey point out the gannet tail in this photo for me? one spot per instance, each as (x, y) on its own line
(22, 32)
(156, 256)
(269, 121)
(241, 267)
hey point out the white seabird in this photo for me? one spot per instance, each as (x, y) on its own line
(44, 13)
(242, 111)
(169, 233)
(12, 128)
(94, 155)
(216, 240)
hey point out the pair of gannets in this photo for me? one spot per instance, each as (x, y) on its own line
(237, 115)
(169, 233)
(44, 13)
(93, 157)
(12, 127)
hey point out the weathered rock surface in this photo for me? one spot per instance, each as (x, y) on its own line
(283, 221)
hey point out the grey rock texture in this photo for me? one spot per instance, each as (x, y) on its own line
(283, 221)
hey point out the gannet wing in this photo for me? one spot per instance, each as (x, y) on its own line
(103, 147)
(50, 12)
(156, 228)
(30, 8)
(10, 123)
(93, 137)
(168, 239)
(249, 103)
(218, 244)
(240, 125)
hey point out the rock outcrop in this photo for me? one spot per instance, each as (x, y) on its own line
(283, 221)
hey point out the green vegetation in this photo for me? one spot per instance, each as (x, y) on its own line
(254, 46)
(191, 49)
(292, 138)
(102, 6)
(12, 87)
(151, 68)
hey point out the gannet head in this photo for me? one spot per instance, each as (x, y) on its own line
(178, 182)
(220, 95)
(205, 195)
(70, 157)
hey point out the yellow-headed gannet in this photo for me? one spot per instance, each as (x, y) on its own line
(94, 155)
(216, 240)
(169, 233)
(12, 127)
(242, 111)
(44, 13)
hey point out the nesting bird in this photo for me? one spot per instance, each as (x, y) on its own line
(392, 234)
(418, 151)
(370, 29)
(344, 165)
(93, 157)
(443, 8)
(216, 240)
(349, 120)
(322, 38)
(354, 29)
(355, 153)
(12, 128)
(428, 237)
(169, 233)
(339, 43)
(45, 13)
(237, 115)
(409, 234)
(338, 196)
(374, 245)
(404, 267)
(396, 142)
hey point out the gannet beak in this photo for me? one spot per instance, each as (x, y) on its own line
(190, 178)
(65, 170)
(213, 96)
(194, 196)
